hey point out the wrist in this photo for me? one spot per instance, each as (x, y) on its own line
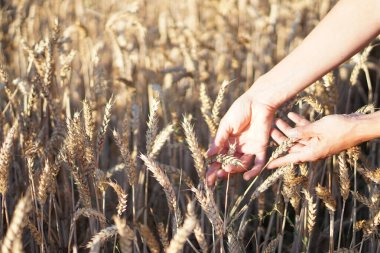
(269, 91)
(366, 127)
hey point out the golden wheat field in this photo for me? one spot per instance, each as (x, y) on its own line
(107, 109)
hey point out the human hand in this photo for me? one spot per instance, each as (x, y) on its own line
(247, 124)
(320, 139)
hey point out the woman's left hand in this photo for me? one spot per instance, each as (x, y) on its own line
(320, 139)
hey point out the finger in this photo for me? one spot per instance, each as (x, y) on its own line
(298, 119)
(297, 157)
(259, 164)
(245, 160)
(212, 174)
(302, 132)
(283, 126)
(277, 136)
(297, 148)
(222, 174)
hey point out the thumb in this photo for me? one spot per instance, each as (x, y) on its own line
(220, 139)
(301, 132)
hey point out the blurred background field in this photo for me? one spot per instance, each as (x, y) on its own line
(88, 88)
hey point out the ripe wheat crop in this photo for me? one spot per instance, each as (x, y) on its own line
(107, 109)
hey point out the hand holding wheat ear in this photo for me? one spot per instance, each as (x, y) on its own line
(247, 123)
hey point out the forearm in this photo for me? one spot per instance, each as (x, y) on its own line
(367, 127)
(343, 32)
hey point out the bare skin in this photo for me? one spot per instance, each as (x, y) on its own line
(249, 119)
(325, 137)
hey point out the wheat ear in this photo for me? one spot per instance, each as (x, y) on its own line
(209, 206)
(126, 235)
(24, 205)
(194, 148)
(160, 140)
(127, 158)
(149, 238)
(101, 237)
(105, 123)
(313, 102)
(179, 239)
(164, 181)
(151, 133)
(311, 211)
(344, 178)
(162, 232)
(218, 102)
(122, 197)
(5, 159)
